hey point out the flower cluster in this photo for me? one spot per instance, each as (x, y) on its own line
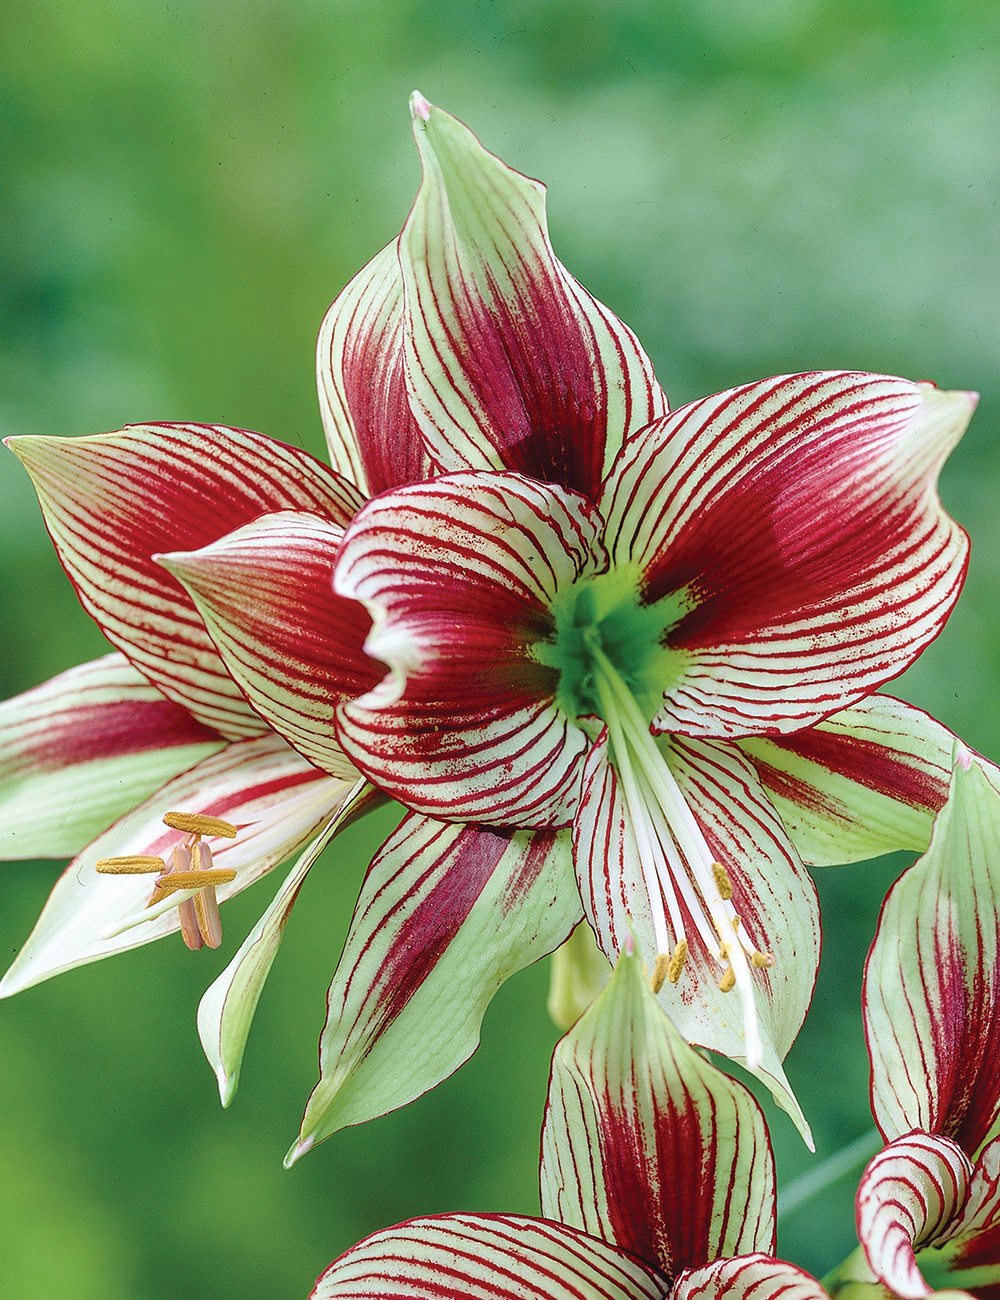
(618, 663)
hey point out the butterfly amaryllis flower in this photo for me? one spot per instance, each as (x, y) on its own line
(164, 725)
(928, 1206)
(657, 1183)
(605, 626)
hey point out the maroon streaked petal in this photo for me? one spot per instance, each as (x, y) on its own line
(800, 517)
(647, 1145)
(271, 794)
(750, 1277)
(772, 893)
(869, 780)
(373, 439)
(909, 1197)
(113, 501)
(458, 575)
(486, 1257)
(510, 363)
(932, 982)
(82, 749)
(291, 645)
(445, 915)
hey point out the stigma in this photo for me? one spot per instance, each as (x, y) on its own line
(190, 868)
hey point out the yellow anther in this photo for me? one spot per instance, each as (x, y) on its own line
(659, 972)
(762, 960)
(175, 880)
(677, 962)
(199, 824)
(138, 864)
(728, 980)
(722, 882)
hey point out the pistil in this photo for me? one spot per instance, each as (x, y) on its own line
(191, 869)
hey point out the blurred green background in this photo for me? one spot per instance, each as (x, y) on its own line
(756, 186)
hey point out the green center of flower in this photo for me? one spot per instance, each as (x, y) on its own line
(603, 617)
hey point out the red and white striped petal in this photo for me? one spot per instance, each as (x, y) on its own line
(932, 982)
(445, 915)
(82, 749)
(800, 517)
(772, 894)
(271, 794)
(458, 575)
(227, 1008)
(750, 1277)
(510, 363)
(373, 439)
(486, 1257)
(113, 501)
(291, 645)
(977, 1232)
(910, 1196)
(647, 1145)
(867, 781)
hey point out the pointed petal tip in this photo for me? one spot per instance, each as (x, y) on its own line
(419, 107)
(227, 1086)
(297, 1150)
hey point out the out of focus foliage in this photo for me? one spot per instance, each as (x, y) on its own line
(755, 187)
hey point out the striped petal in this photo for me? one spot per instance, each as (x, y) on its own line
(867, 781)
(82, 749)
(799, 519)
(372, 437)
(486, 1257)
(909, 1197)
(458, 575)
(772, 894)
(227, 1008)
(510, 364)
(932, 982)
(290, 644)
(114, 500)
(445, 915)
(750, 1277)
(272, 795)
(647, 1145)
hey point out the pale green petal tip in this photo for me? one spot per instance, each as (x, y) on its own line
(228, 1083)
(297, 1150)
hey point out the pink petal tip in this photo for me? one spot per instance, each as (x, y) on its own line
(419, 106)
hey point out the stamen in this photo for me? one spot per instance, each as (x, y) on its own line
(175, 880)
(660, 972)
(206, 905)
(761, 960)
(677, 962)
(722, 881)
(728, 981)
(200, 824)
(136, 864)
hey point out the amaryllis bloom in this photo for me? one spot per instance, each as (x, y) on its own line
(928, 1206)
(657, 1183)
(608, 633)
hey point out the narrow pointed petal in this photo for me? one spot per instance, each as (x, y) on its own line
(867, 781)
(932, 982)
(772, 894)
(486, 1257)
(292, 646)
(226, 1010)
(647, 1145)
(909, 1197)
(799, 517)
(372, 437)
(751, 1277)
(114, 500)
(271, 794)
(79, 751)
(458, 575)
(445, 915)
(977, 1231)
(510, 363)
